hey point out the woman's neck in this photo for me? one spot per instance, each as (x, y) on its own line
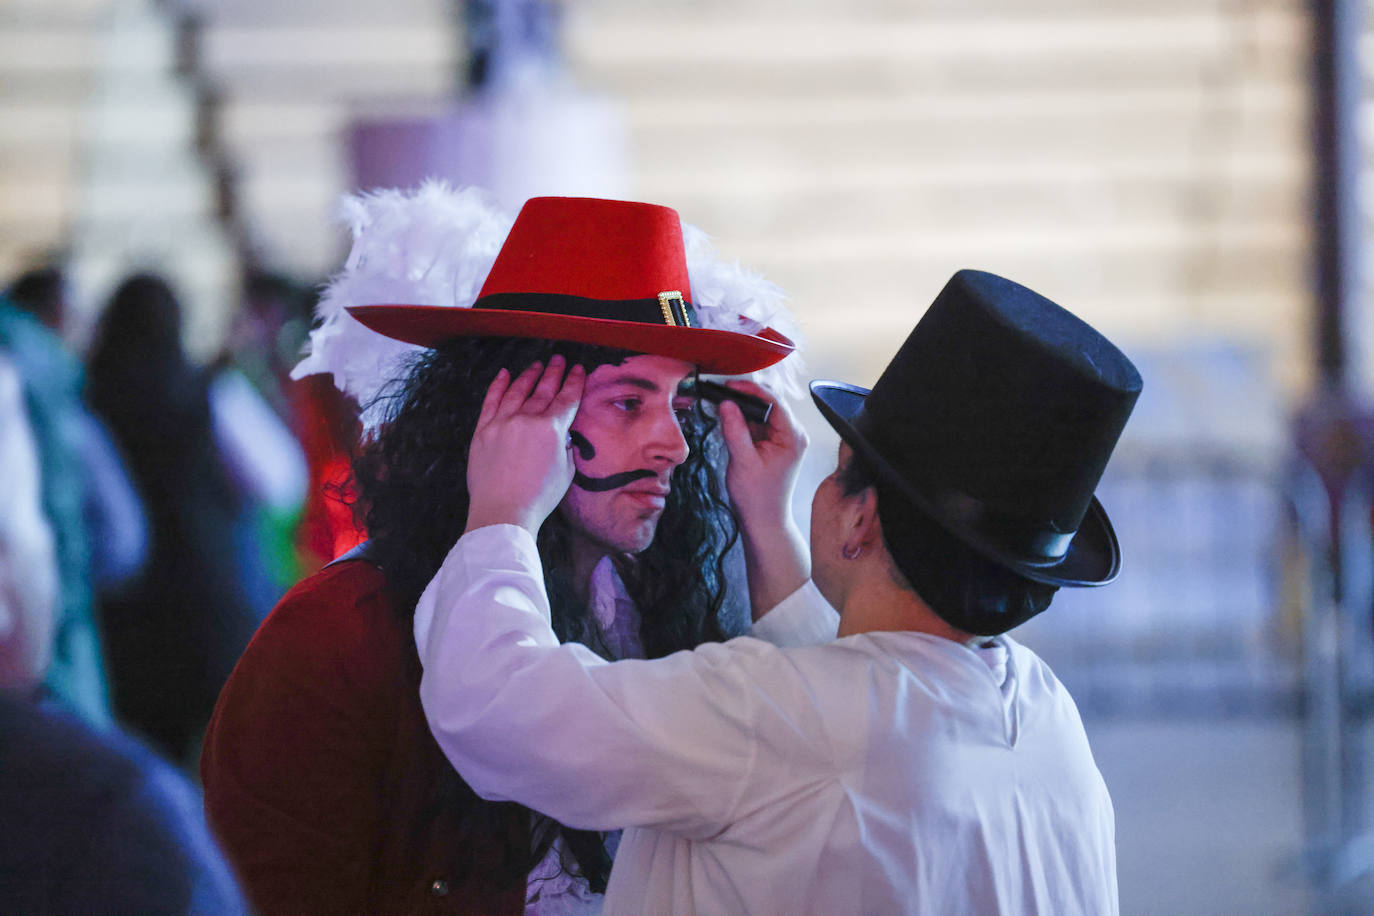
(879, 599)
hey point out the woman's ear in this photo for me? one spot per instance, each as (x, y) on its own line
(862, 531)
(872, 526)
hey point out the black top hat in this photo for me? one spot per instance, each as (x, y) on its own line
(996, 418)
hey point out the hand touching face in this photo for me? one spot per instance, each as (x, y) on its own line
(519, 461)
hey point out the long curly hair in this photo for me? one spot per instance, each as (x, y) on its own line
(412, 487)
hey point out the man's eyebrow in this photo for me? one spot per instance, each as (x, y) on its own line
(634, 381)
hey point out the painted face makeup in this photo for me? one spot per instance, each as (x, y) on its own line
(601, 484)
(755, 410)
(627, 440)
(584, 447)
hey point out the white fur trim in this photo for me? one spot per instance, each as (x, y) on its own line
(730, 297)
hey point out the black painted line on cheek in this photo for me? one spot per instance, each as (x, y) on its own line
(583, 446)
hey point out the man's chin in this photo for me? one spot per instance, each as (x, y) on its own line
(639, 540)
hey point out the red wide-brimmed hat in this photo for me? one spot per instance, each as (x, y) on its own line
(605, 272)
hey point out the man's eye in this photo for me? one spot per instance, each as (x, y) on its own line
(629, 405)
(684, 408)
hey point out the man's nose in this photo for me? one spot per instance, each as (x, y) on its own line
(668, 445)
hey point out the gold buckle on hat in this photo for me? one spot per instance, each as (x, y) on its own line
(674, 312)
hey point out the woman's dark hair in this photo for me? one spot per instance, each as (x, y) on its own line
(412, 487)
(143, 385)
(968, 591)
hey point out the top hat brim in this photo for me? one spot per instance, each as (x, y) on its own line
(1093, 557)
(710, 350)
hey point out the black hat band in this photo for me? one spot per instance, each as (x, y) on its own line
(1029, 541)
(667, 309)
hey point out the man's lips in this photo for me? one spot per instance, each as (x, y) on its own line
(651, 500)
(655, 495)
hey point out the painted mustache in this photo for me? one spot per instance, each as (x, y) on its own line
(613, 482)
(601, 484)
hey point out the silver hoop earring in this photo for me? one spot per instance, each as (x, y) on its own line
(844, 552)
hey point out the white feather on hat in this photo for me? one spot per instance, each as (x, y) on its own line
(435, 246)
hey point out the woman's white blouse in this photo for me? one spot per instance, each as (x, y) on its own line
(880, 773)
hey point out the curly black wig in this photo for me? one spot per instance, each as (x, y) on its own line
(412, 486)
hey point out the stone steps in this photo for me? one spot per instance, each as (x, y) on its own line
(334, 65)
(1145, 158)
(98, 157)
(1145, 161)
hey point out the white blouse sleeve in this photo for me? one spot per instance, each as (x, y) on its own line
(675, 743)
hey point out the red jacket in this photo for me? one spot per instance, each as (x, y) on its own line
(321, 777)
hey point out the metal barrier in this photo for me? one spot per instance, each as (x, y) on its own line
(1337, 666)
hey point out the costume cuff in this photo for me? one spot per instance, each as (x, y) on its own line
(803, 618)
(501, 547)
(490, 548)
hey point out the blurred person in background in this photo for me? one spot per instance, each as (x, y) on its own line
(255, 424)
(175, 631)
(326, 423)
(96, 519)
(924, 762)
(117, 531)
(267, 334)
(265, 342)
(320, 775)
(328, 432)
(94, 822)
